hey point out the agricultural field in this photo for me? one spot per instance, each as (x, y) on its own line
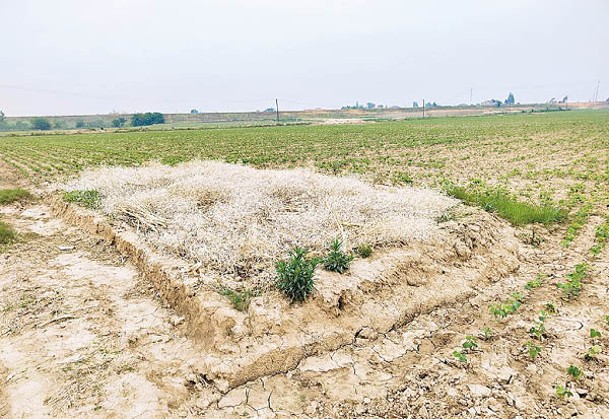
(468, 275)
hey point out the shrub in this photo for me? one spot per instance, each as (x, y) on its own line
(337, 260)
(8, 196)
(87, 198)
(296, 275)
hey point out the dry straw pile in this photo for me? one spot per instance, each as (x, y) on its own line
(237, 221)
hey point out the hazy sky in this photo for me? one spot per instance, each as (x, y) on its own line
(93, 56)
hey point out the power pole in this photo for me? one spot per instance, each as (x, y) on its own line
(471, 92)
(423, 108)
(596, 91)
(277, 109)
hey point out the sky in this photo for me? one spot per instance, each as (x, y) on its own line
(69, 57)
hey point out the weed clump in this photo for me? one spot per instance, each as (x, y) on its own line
(240, 300)
(7, 234)
(364, 250)
(85, 198)
(8, 196)
(337, 260)
(296, 275)
(500, 201)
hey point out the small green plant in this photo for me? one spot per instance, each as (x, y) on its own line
(364, 250)
(532, 349)
(593, 352)
(470, 343)
(563, 391)
(601, 237)
(550, 308)
(240, 300)
(595, 333)
(579, 220)
(606, 317)
(573, 285)
(487, 333)
(574, 372)
(337, 260)
(460, 356)
(7, 234)
(296, 275)
(85, 198)
(536, 283)
(8, 196)
(502, 310)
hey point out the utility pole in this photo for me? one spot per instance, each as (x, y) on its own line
(277, 109)
(596, 91)
(423, 108)
(471, 92)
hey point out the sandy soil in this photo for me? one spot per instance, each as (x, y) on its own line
(83, 334)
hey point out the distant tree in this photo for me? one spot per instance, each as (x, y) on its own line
(119, 122)
(22, 126)
(415, 104)
(40, 124)
(552, 101)
(148, 118)
(510, 99)
(59, 124)
(2, 118)
(80, 124)
(269, 110)
(564, 99)
(370, 105)
(194, 111)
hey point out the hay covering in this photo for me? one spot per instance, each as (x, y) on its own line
(237, 221)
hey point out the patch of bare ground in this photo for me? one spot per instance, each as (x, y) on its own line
(81, 334)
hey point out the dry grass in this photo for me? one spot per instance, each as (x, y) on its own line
(238, 221)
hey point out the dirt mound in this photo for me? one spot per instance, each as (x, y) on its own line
(376, 295)
(236, 222)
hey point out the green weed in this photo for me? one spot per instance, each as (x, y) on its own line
(7, 234)
(8, 196)
(337, 260)
(296, 275)
(500, 201)
(364, 250)
(88, 198)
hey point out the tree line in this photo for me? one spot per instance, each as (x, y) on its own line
(45, 124)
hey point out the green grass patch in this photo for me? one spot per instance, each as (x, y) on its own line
(500, 201)
(8, 196)
(87, 198)
(7, 234)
